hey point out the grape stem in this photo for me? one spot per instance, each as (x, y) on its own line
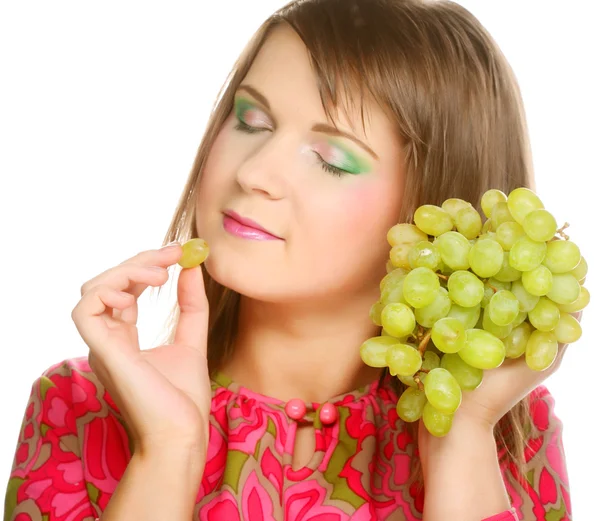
(424, 342)
(561, 231)
(419, 383)
(441, 276)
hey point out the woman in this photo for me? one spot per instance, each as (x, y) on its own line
(339, 119)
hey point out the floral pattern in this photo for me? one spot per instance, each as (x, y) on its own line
(73, 448)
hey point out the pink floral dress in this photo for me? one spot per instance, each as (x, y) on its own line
(73, 448)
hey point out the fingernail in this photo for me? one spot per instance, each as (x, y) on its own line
(170, 246)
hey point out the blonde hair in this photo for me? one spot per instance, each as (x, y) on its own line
(440, 76)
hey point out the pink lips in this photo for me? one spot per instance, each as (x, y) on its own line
(246, 228)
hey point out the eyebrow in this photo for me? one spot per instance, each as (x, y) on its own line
(318, 127)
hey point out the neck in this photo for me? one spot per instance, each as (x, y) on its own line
(304, 351)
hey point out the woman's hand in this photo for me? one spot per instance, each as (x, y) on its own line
(163, 393)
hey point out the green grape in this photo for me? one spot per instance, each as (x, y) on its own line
(389, 266)
(500, 214)
(507, 273)
(465, 288)
(490, 287)
(568, 329)
(486, 258)
(430, 361)
(439, 308)
(373, 350)
(486, 235)
(398, 319)
(490, 199)
(487, 227)
(578, 305)
(448, 335)
(437, 423)
(453, 206)
(565, 289)
(409, 381)
(454, 249)
(516, 342)
(424, 254)
(508, 233)
(527, 301)
(375, 312)
(401, 340)
(468, 222)
(392, 277)
(405, 233)
(503, 308)
(399, 255)
(488, 325)
(468, 316)
(433, 220)
(421, 287)
(541, 350)
(442, 390)
(521, 202)
(467, 376)
(580, 271)
(526, 254)
(521, 317)
(538, 281)
(562, 256)
(403, 359)
(195, 252)
(540, 225)
(410, 404)
(482, 349)
(545, 315)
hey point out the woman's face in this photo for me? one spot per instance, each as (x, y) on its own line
(326, 198)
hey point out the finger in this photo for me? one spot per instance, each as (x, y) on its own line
(192, 327)
(164, 258)
(131, 278)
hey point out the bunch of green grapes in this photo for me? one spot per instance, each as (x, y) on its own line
(461, 295)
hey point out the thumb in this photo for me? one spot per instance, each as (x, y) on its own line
(192, 327)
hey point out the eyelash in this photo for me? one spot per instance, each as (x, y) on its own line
(338, 172)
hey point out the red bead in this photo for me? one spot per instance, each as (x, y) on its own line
(328, 414)
(295, 409)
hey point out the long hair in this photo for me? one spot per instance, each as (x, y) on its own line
(444, 82)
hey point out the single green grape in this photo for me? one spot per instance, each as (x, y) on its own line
(508, 233)
(468, 222)
(437, 423)
(562, 256)
(404, 233)
(430, 361)
(500, 214)
(516, 342)
(521, 317)
(487, 227)
(486, 258)
(399, 255)
(540, 225)
(195, 252)
(453, 206)
(373, 350)
(541, 350)
(580, 271)
(527, 301)
(410, 404)
(465, 289)
(521, 202)
(467, 376)
(490, 326)
(389, 266)
(491, 287)
(468, 316)
(578, 305)
(392, 287)
(568, 329)
(482, 349)
(545, 315)
(398, 319)
(527, 254)
(424, 254)
(442, 390)
(565, 289)
(507, 273)
(448, 335)
(454, 250)
(392, 277)
(503, 308)
(439, 308)
(538, 281)
(490, 199)
(421, 287)
(433, 220)
(403, 359)
(375, 312)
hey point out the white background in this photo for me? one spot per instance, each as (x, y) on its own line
(102, 106)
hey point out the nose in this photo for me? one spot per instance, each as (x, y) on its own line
(263, 170)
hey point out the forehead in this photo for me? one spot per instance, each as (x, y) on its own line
(284, 73)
